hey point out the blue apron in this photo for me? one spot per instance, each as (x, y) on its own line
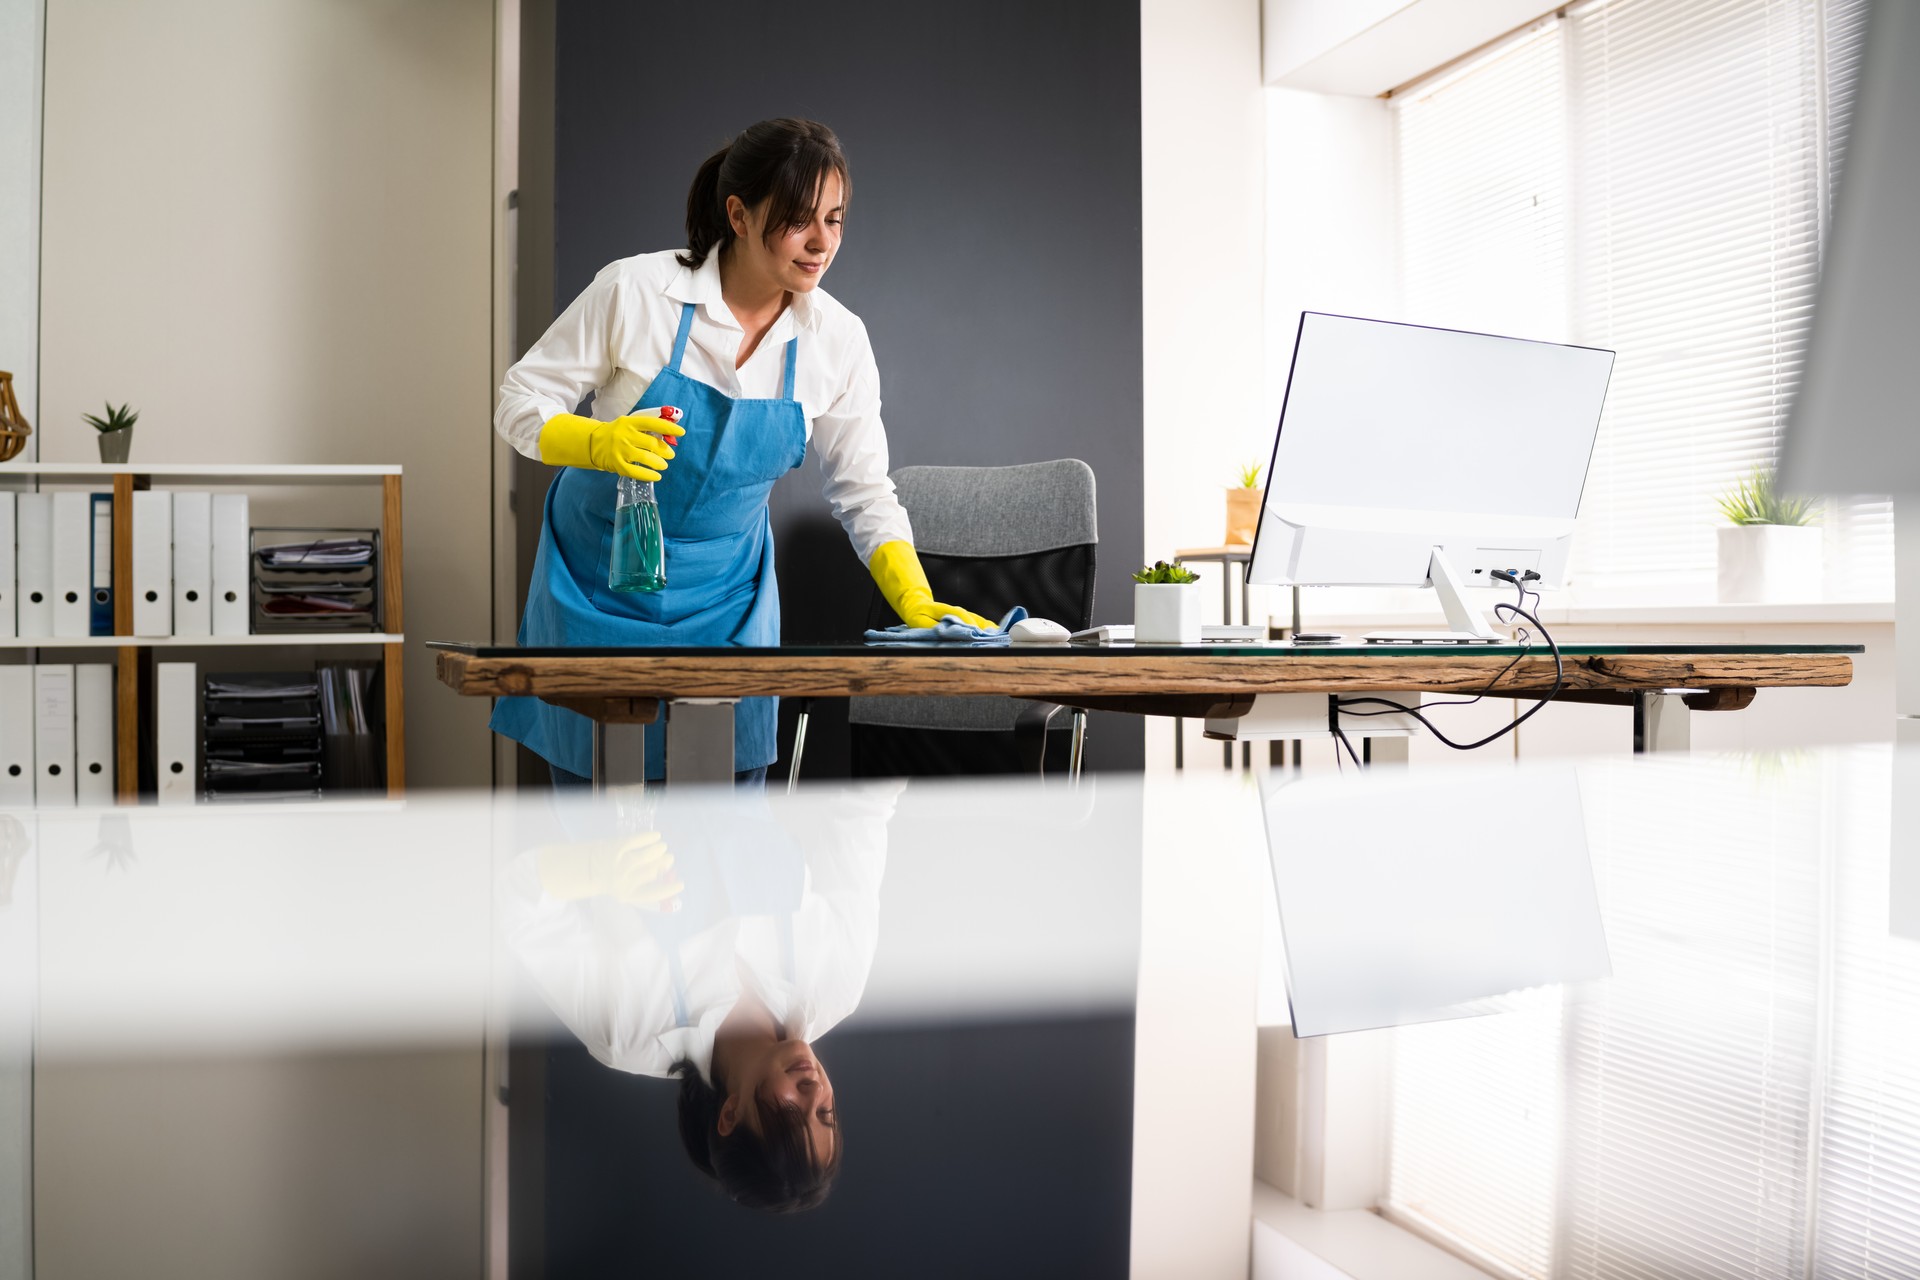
(719, 540)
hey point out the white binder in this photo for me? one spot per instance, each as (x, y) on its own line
(9, 624)
(72, 564)
(53, 736)
(33, 539)
(231, 590)
(16, 736)
(193, 564)
(93, 733)
(176, 731)
(152, 563)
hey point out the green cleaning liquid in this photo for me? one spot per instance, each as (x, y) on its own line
(639, 559)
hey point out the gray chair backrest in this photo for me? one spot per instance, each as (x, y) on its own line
(999, 511)
(985, 512)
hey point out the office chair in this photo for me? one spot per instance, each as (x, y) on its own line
(991, 538)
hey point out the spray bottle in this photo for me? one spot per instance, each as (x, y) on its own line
(639, 558)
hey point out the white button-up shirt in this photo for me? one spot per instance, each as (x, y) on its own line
(618, 334)
(609, 977)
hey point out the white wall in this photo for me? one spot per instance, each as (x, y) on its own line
(21, 39)
(1327, 244)
(19, 984)
(1297, 32)
(1203, 240)
(1364, 48)
(267, 226)
(20, 57)
(1202, 225)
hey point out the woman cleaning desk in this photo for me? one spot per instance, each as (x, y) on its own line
(714, 331)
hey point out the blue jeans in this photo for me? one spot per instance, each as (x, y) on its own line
(564, 779)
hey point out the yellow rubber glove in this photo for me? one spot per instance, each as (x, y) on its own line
(896, 567)
(625, 446)
(636, 870)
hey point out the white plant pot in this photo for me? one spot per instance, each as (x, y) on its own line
(1166, 613)
(1770, 564)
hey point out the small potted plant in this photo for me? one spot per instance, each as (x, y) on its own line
(1770, 551)
(1166, 605)
(116, 431)
(1243, 505)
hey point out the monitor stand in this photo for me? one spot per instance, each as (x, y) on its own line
(1469, 626)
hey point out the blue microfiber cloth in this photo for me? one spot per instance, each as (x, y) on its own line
(950, 630)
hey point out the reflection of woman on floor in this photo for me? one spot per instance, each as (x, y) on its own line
(717, 949)
(764, 1128)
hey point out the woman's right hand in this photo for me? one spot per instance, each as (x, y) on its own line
(629, 446)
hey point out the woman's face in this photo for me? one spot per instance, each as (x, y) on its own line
(790, 1079)
(794, 258)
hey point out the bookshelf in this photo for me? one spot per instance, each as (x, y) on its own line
(129, 648)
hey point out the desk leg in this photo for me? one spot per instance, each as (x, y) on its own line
(1226, 618)
(1660, 723)
(1384, 750)
(700, 741)
(1246, 609)
(619, 755)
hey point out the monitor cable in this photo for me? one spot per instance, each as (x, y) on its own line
(1524, 636)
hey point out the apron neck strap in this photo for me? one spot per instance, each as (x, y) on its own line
(680, 338)
(786, 379)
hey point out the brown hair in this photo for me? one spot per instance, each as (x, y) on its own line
(780, 161)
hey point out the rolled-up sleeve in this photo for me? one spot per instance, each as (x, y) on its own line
(574, 357)
(852, 446)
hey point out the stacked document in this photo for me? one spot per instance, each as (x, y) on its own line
(326, 582)
(262, 736)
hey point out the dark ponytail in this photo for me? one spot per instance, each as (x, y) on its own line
(781, 162)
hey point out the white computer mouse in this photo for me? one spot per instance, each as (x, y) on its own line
(1038, 631)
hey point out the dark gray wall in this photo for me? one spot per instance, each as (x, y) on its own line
(993, 238)
(1001, 1150)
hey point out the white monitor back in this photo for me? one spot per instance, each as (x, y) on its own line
(1396, 439)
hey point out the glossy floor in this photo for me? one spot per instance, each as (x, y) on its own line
(1614, 1018)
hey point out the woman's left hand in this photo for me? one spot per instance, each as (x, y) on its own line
(895, 567)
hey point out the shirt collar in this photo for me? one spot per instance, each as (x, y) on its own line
(701, 286)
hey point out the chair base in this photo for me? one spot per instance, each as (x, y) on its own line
(884, 751)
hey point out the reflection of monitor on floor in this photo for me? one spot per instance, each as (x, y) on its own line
(1409, 456)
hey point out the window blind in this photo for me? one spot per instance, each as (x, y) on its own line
(1481, 160)
(1476, 1144)
(1651, 176)
(1869, 1127)
(1664, 1123)
(1691, 1072)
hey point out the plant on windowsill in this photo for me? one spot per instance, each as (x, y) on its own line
(116, 431)
(1769, 551)
(1243, 505)
(1166, 605)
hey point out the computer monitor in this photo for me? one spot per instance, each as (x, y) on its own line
(1414, 456)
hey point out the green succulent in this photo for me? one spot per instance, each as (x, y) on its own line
(1160, 573)
(116, 420)
(1755, 501)
(1250, 475)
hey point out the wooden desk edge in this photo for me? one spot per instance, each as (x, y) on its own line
(1188, 686)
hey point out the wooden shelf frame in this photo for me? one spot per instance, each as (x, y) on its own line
(128, 647)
